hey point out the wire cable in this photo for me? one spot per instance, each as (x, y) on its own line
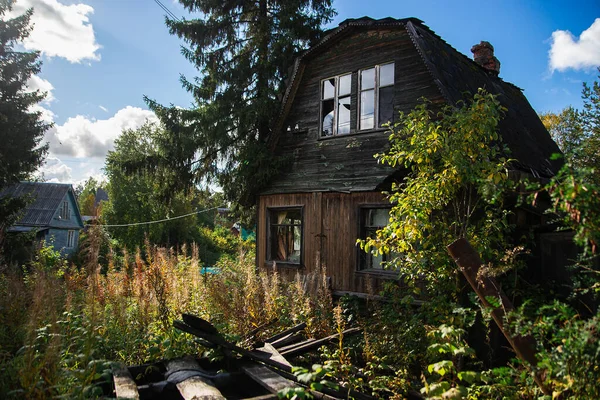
(165, 9)
(158, 221)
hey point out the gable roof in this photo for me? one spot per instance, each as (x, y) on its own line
(457, 77)
(46, 198)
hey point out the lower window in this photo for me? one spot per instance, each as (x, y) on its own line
(71, 239)
(284, 242)
(371, 220)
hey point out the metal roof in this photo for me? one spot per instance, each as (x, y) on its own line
(44, 200)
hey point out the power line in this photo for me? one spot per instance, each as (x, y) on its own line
(165, 9)
(160, 220)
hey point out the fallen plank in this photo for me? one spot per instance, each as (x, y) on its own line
(287, 340)
(186, 374)
(294, 345)
(309, 345)
(294, 329)
(486, 288)
(256, 330)
(267, 378)
(125, 387)
(274, 354)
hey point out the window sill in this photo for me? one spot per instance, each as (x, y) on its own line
(285, 264)
(387, 274)
(356, 133)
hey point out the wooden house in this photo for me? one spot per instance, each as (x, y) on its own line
(341, 92)
(52, 213)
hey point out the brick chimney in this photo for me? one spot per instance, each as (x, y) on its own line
(483, 54)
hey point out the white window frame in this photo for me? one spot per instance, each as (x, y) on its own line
(336, 97)
(363, 256)
(70, 239)
(376, 89)
(65, 212)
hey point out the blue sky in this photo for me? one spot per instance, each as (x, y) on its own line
(101, 56)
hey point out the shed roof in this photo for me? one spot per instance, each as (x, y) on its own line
(46, 198)
(458, 77)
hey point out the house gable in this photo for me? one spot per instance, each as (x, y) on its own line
(345, 162)
(73, 219)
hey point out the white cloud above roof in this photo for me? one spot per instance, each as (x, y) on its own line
(570, 52)
(81, 136)
(56, 171)
(60, 30)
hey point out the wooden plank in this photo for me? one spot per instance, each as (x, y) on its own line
(310, 345)
(287, 340)
(125, 387)
(185, 373)
(268, 379)
(274, 354)
(468, 261)
(287, 332)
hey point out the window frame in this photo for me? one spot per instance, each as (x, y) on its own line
(70, 239)
(376, 88)
(335, 98)
(65, 213)
(361, 255)
(268, 250)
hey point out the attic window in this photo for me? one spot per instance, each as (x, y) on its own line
(335, 105)
(376, 96)
(64, 212)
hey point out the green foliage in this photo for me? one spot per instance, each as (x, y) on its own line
(244, 52)
(314, 379)
(21, 129)
(568, 348)
(136, 197)
(457, 175)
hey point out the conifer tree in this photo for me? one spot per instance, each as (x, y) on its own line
(244, 51)
(21, 130)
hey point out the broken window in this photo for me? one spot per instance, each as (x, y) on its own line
(376, 96)
(285, 235)
(335, 105)
(373, 219)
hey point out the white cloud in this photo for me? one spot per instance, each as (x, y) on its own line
(581, 53)
(36, 83)
(54, 170)
(60, 30)
(83, 137)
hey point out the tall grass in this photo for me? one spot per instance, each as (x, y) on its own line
(63, 325)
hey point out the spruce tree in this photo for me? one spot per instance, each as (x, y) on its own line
(244, 51)
(21, 130)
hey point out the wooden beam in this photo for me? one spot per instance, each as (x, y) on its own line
(190, 385)
(274, 354)
(287, 332)
(313, 344)
(125, 386)
(268, 379)
(287, 340)
(487, 288)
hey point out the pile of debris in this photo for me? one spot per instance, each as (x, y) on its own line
(259, 373)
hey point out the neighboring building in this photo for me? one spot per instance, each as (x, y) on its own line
(52, 213)
(342, 91)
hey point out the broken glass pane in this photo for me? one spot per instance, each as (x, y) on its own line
(328, 88)
(386, 105)
(327, 113)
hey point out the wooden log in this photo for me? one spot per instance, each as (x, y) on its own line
(125, 387)
(191, 385)
(487, 288)
(304, 347)
(285, 333)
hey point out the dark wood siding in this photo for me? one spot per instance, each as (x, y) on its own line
(330, 229)
(346, 163)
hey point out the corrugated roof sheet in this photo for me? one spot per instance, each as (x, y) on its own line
(45, 200)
